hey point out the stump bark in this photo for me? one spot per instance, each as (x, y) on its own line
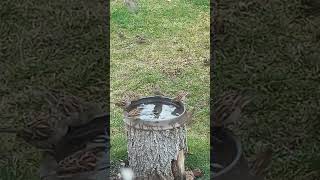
(157, 154)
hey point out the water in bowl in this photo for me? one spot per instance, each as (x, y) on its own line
(157, 111)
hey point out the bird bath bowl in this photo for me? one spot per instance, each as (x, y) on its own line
(228, 154)
(156, 113)
(157, 137)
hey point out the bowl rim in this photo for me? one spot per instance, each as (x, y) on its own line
(157, 125)
(237, 157)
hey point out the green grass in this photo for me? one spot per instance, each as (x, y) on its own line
(177, 35)
(272, 48)
(57, 44)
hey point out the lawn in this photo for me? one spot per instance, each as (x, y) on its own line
(57, 44)
(176, 45)
(272, 48)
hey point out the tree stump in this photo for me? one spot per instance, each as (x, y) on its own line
(156, 149)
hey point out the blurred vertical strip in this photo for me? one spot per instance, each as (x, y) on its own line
(213, 14)
(60, 45)
(106, 30)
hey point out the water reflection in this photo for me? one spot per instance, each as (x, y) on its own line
(157, 111)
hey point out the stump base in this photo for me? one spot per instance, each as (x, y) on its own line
(157, 155)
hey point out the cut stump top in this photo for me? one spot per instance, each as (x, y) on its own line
(162, 123)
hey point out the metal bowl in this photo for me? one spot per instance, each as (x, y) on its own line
(229, 154)
(163, 124)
